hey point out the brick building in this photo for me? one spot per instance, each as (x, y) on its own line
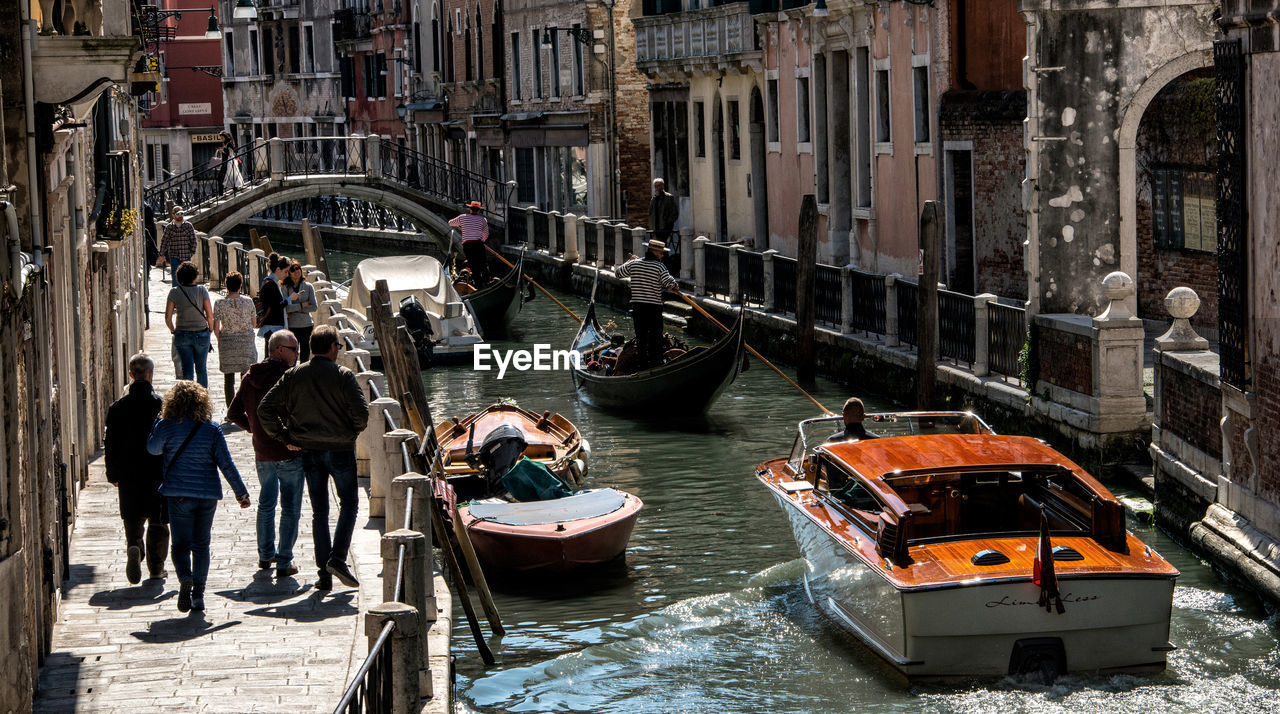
(472, 67)
(373, 56)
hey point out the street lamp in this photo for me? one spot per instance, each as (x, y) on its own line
(245, 10)
(820, 9)
(150, 17)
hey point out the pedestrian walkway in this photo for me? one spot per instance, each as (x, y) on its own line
(262, 645)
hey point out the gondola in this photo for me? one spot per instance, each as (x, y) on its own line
(496, 305)
(685, 385)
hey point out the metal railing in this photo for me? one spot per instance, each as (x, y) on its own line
(609, 245)
(590, 240)
(516, 232)
(541, 226)
(205, 183)
(437, 177)
(717, 270)
(751, 276)
(956, 326)
(370, 689)
(784, 284)
(908, 293)
(1006, 334)
(869, 302)
(828, 291)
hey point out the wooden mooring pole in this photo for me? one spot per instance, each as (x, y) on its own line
(927, 306)
(806, 271)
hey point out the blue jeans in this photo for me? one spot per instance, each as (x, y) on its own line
(190, 530)
(319, 466)
(281, 479)
(193, 350)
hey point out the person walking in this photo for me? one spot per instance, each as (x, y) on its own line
(664, 211)
(177, 243)
(475, 231)
(302, 303)
(649, 277)
(279, 467)
(136, 474)
(319, 407)
(194, 451)
(271, 296)
(190, 304)
(233, 324)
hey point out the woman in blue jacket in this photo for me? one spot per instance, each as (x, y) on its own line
(194, 450)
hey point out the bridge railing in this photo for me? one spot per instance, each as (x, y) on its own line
(443, 180)
(207, 182)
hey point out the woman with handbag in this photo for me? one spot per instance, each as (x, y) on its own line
(272, 303)
(233, 324)
(302, 302)
(194, 311)
(194, 450)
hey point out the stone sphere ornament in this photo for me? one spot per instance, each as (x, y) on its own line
(1115, 288)
(1182, 303)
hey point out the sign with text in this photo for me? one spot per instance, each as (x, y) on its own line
(195, 108)
(205, 138)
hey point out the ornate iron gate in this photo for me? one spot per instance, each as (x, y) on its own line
(1232, 211)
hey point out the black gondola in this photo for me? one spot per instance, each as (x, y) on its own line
(496, 305)
(685, 385)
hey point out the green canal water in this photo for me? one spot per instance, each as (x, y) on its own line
(709, 613)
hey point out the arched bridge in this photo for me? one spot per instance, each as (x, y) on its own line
(427, 190)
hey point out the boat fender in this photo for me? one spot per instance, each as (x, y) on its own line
(586, 449)
(578, 469)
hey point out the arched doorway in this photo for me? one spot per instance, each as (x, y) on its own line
(759, 174)
(722, 192)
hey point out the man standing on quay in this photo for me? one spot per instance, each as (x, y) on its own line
(319, 407)
(136, 473)
(279, 466)
(475, 231)
(648, 279)
(664, 211)
(178, 243)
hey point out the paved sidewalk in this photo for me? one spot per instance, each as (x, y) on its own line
(262, 644)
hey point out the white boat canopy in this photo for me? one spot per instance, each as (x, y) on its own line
(419, 275)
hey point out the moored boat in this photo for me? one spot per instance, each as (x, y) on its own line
(687, 384)
(497, 304)
(949, 550)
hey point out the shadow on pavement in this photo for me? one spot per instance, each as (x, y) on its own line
(264, 591)
(181, 629)
(313, 608)
(149, 592)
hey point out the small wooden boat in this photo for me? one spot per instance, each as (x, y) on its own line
(496, 305)
(588, 528)
(949, 550)
(685, 385)
(552, 440)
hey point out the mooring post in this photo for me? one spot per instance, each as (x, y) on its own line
(406, 651)
(806, 268)
(927, 306)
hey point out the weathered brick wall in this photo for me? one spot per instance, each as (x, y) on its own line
(633, 119)
(1266, 424)
(1065, 359)
(1191, 410)
(993, 122)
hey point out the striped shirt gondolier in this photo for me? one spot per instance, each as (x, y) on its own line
(648, 278)
(473, 227)
(178, 242)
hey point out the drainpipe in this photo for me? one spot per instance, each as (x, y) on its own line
(15, 245)
(33, 175)
(615, 168)
(79, 231)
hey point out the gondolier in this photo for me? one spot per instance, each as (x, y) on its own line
(649, 277)
(475, 231)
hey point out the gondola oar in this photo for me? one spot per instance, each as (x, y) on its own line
(755, 354)
(535, 284)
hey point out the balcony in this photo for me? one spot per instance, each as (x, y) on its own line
(351, 25)
(74, 67)
(674, 45)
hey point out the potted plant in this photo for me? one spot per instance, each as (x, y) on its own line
(120, 223)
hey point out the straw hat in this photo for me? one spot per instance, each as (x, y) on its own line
(658, 245)
(475, 204)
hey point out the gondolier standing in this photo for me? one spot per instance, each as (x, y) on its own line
(475, 231)
(649, 277)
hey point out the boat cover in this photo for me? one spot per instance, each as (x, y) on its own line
(587, 504)
(417, 275)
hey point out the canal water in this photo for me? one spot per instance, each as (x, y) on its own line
(709, 614)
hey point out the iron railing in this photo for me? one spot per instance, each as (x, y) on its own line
(784, 284)
(1230, 83)
(751, 276)
(955, 326)
(370, 689)
(204, 183)
(869, 301)
(541, 229)
(609, 247)
(907, 295)
(516, 232)
(588, 231)
(828, 300)
(437, 177)
(1006, 334)
(717, 269)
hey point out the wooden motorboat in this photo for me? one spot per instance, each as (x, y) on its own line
(588, 528)
(685, 385)
(950, 550)
(497, 304)
(442, 328)
(552, 440)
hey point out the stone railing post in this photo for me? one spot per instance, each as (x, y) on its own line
(345, 358)
(686, 250)
(700, 265)
(1182, 304)
(413, 593)
(216, 269)
(384, 469)
(1118, 359)
(275, 157)
(552, 218)
(891, 310)
(422, 494)
(254, 276)
(406, 652)
(373, 156)
(846, 300)
(529, 225)
(621, 236)
(638, 238)
(369, 442)
(770, 301)
(233, 258)
(570, 237)
(735, 284)
(982, 334)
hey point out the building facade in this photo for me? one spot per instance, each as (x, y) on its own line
(374, 58)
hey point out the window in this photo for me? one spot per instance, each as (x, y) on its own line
(382, 75)
(436, 44)
(370, 77)
(820, 140)
(479, 46)
(295, 49)
(515, 67)
(416, 56)
(555, 64)
(255, 66)
(537, 64)
(229, 41)
(1184, 209)
(309, 48)
(448, 53)
(802, 110)
(346, 68)
(498, 69)
(862, 80)
(524, 176)
(466, 47)
(699, 130)
(397, 75)
(773, 110)
(883, 133)
(268, 51)
(920, 85)
(579, 81)
(735, 132)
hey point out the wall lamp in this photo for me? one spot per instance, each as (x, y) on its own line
(151, 16)
(581, 34)
(820, 9)
(245, 10)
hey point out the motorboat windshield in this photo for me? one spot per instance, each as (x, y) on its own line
(813, 432)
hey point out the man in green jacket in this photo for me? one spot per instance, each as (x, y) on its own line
(318, 408)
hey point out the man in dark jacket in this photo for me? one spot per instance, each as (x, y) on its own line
(279, 467)
(136, 473)
(319, 408)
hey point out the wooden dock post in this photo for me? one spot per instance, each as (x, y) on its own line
(806, 272)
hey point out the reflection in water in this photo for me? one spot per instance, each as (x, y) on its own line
(709, 611)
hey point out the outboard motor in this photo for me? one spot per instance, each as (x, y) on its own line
(415, 318)
(501, 449)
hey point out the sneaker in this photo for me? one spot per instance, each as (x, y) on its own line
(343, 573)
(264, 564)
(197, 602)
(287, 571)
(184, 596)
(324, 582)
(133, 569)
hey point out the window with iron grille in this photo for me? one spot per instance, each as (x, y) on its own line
(700, 130)
(1184, 209)
(524, 176)
(735, 133)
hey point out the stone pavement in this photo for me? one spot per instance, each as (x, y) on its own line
(262, 645)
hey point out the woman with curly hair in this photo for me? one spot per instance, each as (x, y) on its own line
(302, 302)
(194, 451)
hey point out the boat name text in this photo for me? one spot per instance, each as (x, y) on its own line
(1069, 597)
(540, 359)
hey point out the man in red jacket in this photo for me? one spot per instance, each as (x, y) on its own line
(279, 466)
